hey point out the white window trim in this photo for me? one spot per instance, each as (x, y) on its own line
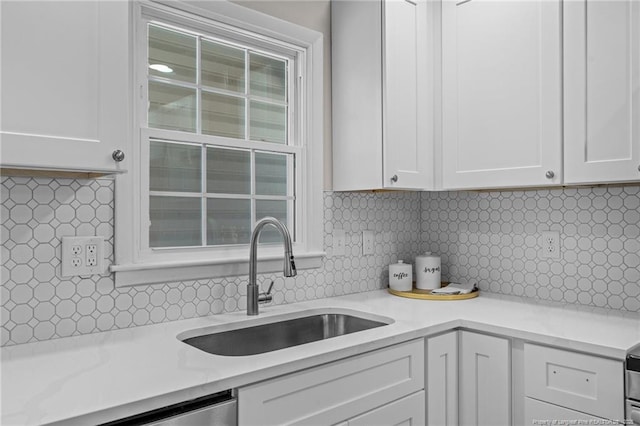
(132, 266)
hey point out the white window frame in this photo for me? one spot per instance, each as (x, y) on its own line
(135, 263)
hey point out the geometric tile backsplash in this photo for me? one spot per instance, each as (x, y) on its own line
(488, 237)
(493, 238)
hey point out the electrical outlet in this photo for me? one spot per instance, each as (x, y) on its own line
(82, 256)
(368, 242)
(550, 244)
(339, 241)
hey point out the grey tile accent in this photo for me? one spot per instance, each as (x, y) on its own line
(493, 238)
(37, 304)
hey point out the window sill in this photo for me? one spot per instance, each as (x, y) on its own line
(128, 275)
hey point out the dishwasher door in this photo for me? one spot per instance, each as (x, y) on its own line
(222, 414)
(219, 409)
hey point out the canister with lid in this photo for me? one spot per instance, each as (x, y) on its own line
(428, 271)
(400, 276)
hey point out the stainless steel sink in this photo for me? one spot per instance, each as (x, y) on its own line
(281, 334)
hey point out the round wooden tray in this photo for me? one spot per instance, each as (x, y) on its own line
(426, 294)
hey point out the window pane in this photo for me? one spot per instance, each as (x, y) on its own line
(174, 167)
(228, 221)
(268, 77)
(172, 54)
(228, 171)
(277, 209)
(268, 122)
(222, 115)
(222, 66)
(271, 174)
(175, 221)
(172, 107)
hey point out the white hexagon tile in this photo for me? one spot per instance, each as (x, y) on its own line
(37, 304)
(488, 237)
(493, 238)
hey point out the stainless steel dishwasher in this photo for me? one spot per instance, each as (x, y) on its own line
(219, 409)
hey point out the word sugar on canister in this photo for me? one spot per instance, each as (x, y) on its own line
(428, 271)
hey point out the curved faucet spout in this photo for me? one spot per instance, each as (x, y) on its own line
(289, 269)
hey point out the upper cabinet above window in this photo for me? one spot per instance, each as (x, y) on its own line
(65, 85)
(381, 89)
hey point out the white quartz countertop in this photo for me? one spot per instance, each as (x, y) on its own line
(100, 377)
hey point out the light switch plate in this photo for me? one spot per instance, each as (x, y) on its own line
(82, 256)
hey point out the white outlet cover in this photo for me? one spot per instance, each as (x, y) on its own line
(550, 244)
(339, 241)
(368, 242)
(75, 264)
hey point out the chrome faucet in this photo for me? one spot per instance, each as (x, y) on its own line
(289, 270)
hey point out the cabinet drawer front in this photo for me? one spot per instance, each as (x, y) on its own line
(337, 391)
(537, 412)
(582, 382)
(409, 411)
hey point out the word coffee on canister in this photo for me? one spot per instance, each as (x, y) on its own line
(400, 276)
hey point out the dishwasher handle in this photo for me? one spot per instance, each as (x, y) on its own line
(219, 409)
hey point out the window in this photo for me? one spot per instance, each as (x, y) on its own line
(210, 193)
(228, 122)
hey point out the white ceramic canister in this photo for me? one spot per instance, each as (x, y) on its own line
(400, 276)
(428, 271)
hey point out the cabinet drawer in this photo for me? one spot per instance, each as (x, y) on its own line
(538, 412)
(581, 382)
(337, 391)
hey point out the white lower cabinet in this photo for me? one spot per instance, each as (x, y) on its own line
(468, 380)
(538, 412)
(406, 411)
(485, 380)
(442, 379)
(343, 391)
(580, 382)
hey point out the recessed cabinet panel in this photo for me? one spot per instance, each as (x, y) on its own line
(602, 80)
(408, 411)
(501, 93)
(406, 154)
(442, 380)
(335, 392)
(485, 380)
(381, 83)
(581, 382)
(64, 84)
(536, 411)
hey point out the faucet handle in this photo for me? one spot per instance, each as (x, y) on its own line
(266, 297)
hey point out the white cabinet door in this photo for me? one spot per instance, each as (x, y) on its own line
(407, 158)
(64, 84)
(382, 115)
(442, 380)
(485, 380)
(601, 91)
(408, 411)
(501, 82)
(537, 412)
(335, 392)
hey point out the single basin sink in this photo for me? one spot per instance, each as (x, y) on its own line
(281, 334)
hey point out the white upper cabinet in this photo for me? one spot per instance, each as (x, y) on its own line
(65, 84)
(381, 83)
(501, 83)
(602, 91)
